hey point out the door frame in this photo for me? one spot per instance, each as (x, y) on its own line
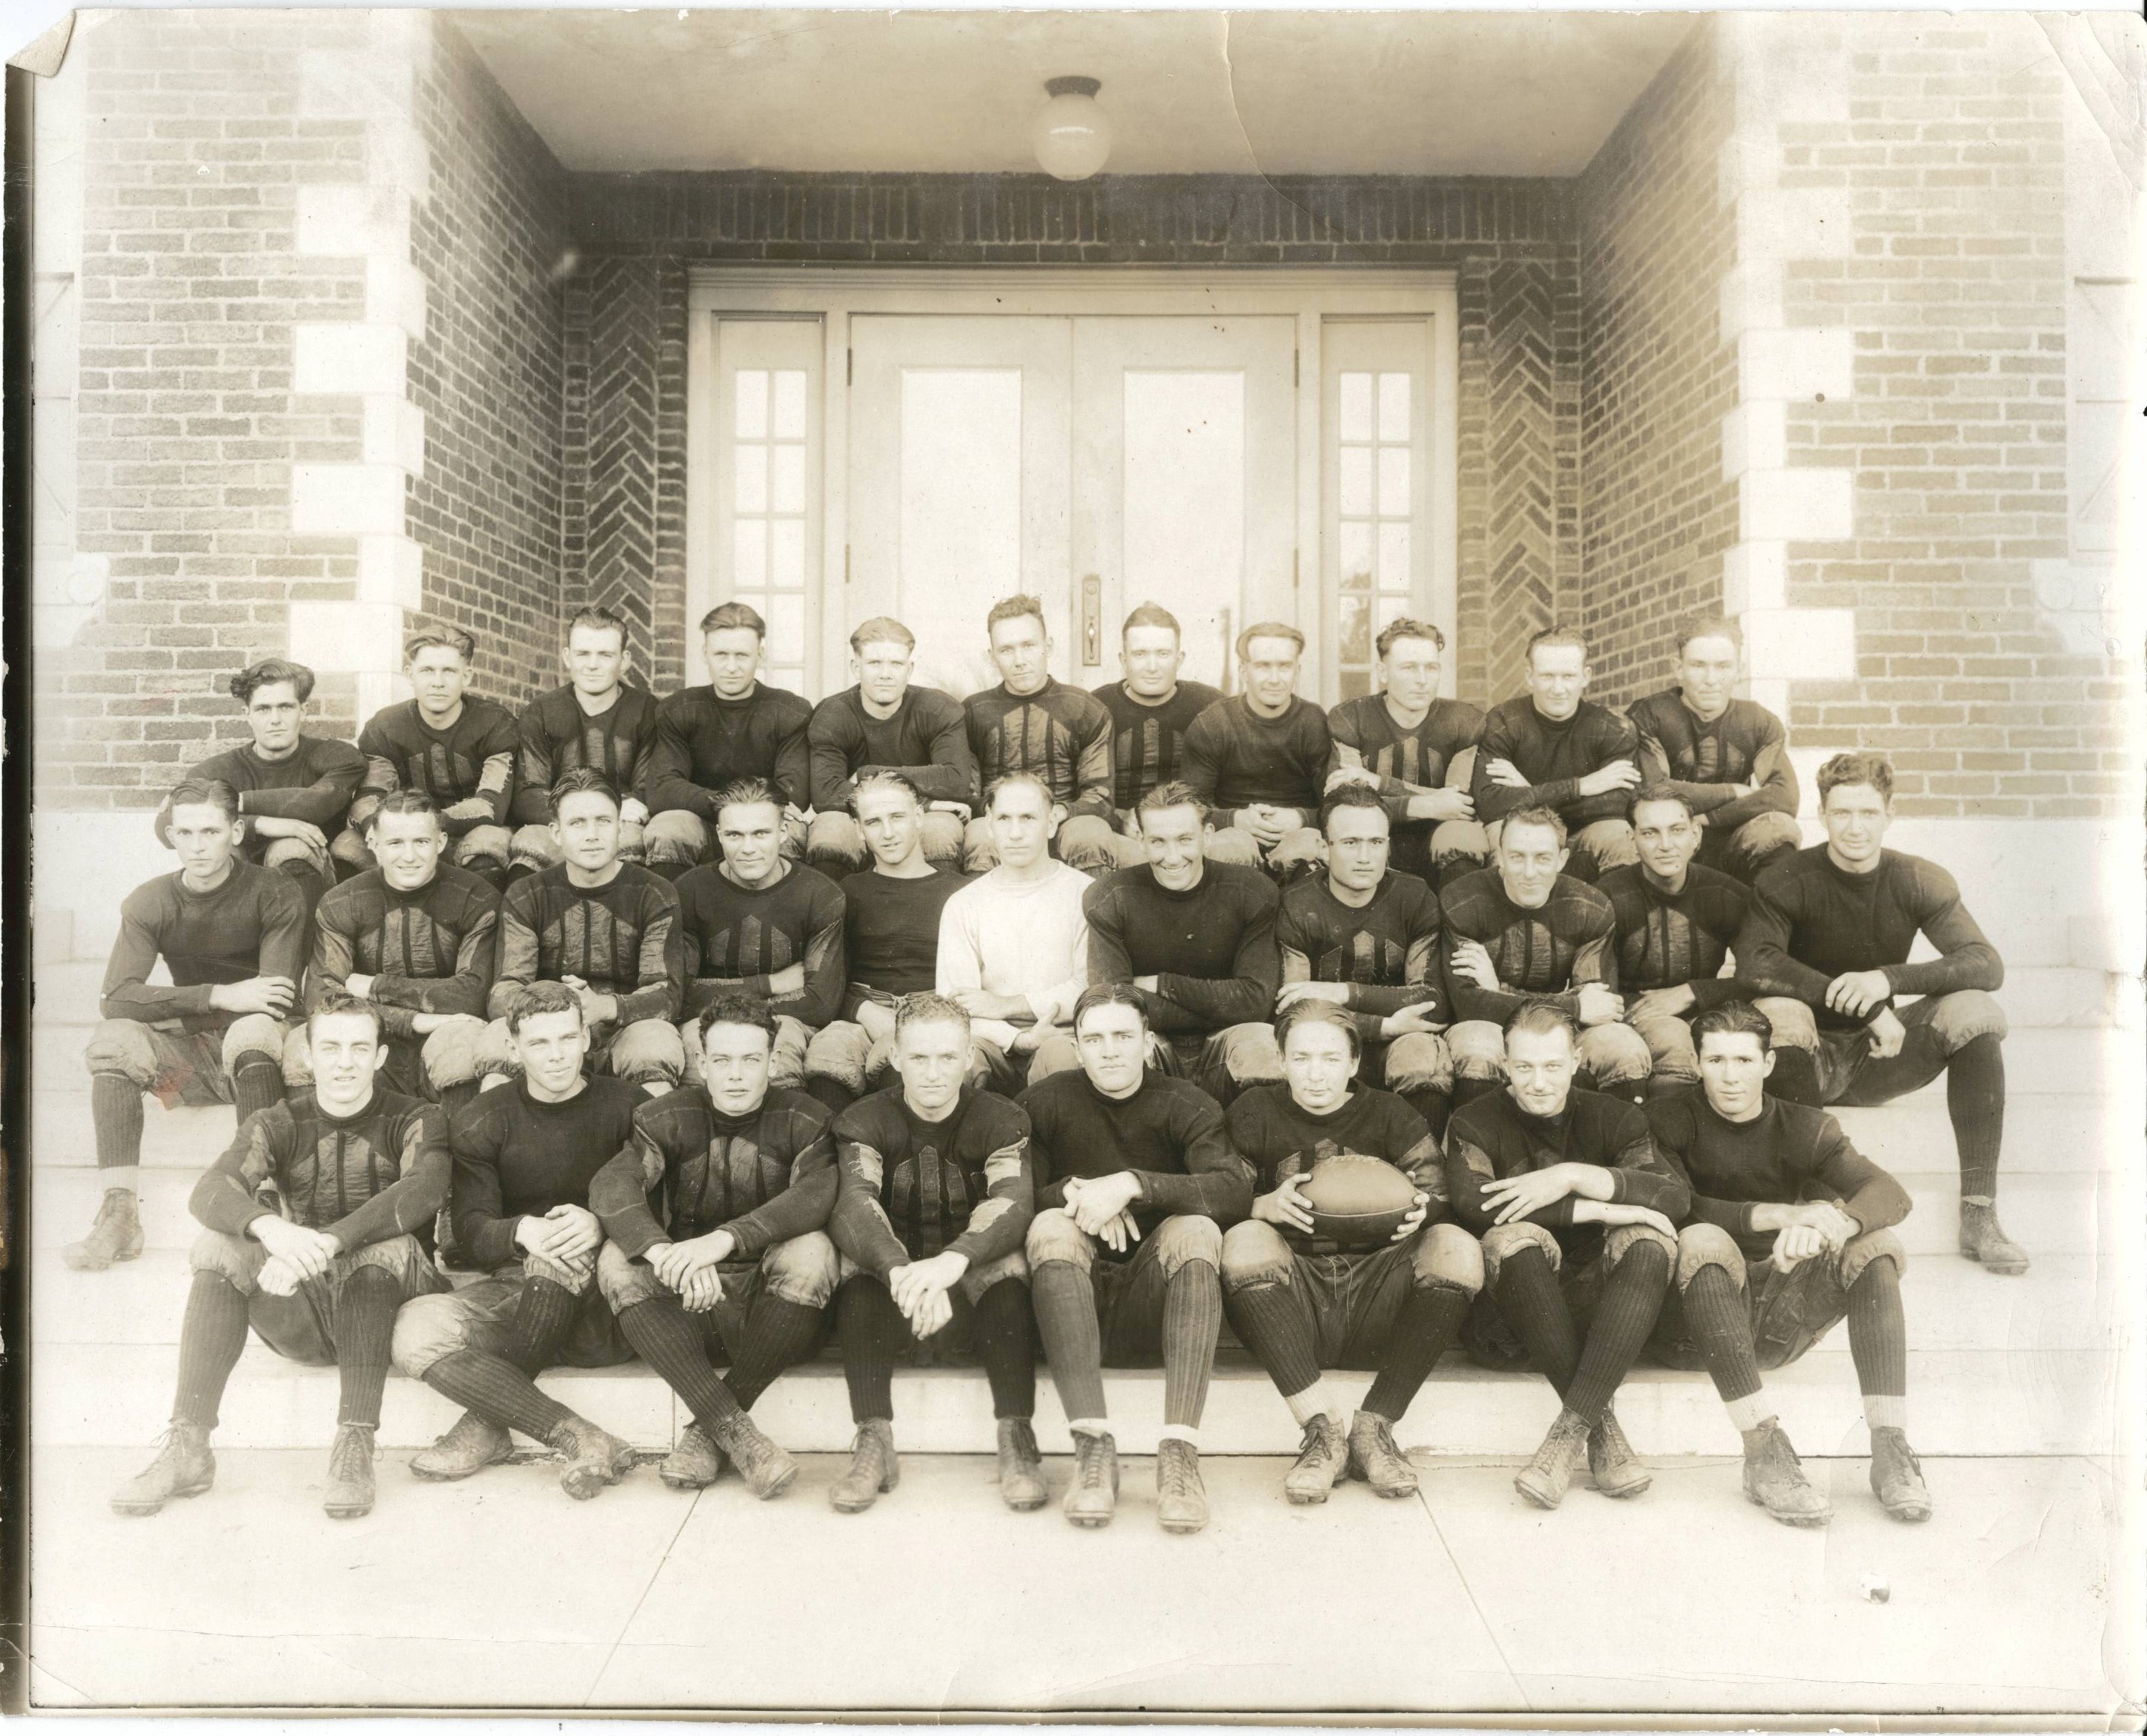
(832, 294)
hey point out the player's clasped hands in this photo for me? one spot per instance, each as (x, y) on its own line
(1856, 992)
(920, 1290)
(1618, 774)
(566, 1233)
(1818, 1227)
(1410, 1022)
(1599, 1005)
(1097, 1204)
(1517, 1196)
(1886, 1033)
(303, 1252)
(272, 995)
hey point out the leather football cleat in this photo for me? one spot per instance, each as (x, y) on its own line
(873, 1468)
(1375, 1459)
(1546, 1478)
(1897, 1477)
(463, 1451)
(595, 1459)
(184, 1466)
(1181, 1497)
(1021, 1466)
(115, 1235)
(1610, 1462)
(695, 1463)
(1322, 1456)
(1093, 1496)
(349, 1492)
(1774, 1479)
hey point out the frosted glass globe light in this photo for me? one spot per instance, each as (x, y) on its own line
(1071, 134)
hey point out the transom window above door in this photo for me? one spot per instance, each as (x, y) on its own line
(1242, 446)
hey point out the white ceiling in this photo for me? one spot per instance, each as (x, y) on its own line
(1276, 94)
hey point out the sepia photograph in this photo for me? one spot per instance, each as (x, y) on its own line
(987, 864)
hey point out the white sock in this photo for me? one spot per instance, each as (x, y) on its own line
(128, 1180)
(1885, 1410)
(1100, 1427)
(1749, 1412)
(1184, 1432)
(1317, 1400)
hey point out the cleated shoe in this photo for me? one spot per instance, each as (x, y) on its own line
(349, 1494)
(767, 1468)
(695, 1463)
(184, 1466)
(1093, 1496)
(116, 1235)
(1610, 1462)
(1546, 1478)
(1774, 1479)
(595, 1459)
(1021, 1466)
(1897, 1477)
(463, 1451)
(1322, 1456)
(874, 1468)
(1982, 1238)
(1374, 1458)
(1181, 1499)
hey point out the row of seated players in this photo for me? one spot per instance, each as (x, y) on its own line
(1114, 1210)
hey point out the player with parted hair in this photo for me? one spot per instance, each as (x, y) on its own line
(708, 738)
(1549, 747)
(1578, 1213)
(886, 723)
(457, 749)
(1417, 750)
(715, 1245)
(1302, 1301)
(1790, 1230)
(1135, 1183)
(598, 722)
(1151, 709)
(232, 936)
(314, 1224)
(1258, 760)
(1034, 722)
(294, 789)
(934, 1198)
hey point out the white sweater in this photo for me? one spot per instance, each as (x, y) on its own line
(1027, 938)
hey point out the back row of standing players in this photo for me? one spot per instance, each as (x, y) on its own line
(1178, 797)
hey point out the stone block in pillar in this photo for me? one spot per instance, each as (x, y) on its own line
(391, 569)
(394, 432)
(1754, 576)
(348, 637)
(356, 500)
(1748, 298)
(1800, 644)
(1802, 222)
(1754, 436)
(350, 356)
(1803, 363)
(394, 294)
(1796, 505)
(351, 221)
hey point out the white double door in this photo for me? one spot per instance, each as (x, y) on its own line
(1095, 463)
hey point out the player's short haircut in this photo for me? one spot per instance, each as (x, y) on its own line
(886, 778)
(1862, 765)
(1268, 630)
(1013, 608)
(1733, 1018)
(928, 1008)
(1558, 637)
(266, 673)
(1407, 626)
(405, 801)
(731, 1008)
(1711, 627)
(583, 780)
(539, 998)
(882, 630)
(1535, 817)
(337, 1003)
(597, 620)
(1107, 994)
(1318, 1012)
(1007, 780)
(1352, 795)
(1175, 794)
(747, 793)
(1150, 614)
(456, 639)
(1542, 1017)
(1660, 792)
(205, 792)
(726, 616)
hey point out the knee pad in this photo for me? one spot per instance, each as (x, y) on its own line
(978, 1279)
(298, 1059)
(1964, 1015)
(484, 847)
(1181, 1240)
(837, 1051)
(1054, 1235)
(1610, 843)
(1626, 1239)
(574, 1277)
(677, 834)
(625, 1281)
(979, 854)
(803, 1270)
(1477, 1048)
(1085, 843)
(1233, 847)
(1502, 1241)
(492, 1053)
(533, 847)
(427, 1329)
(236, 1259)
(1458, 841)
(402, 1257)
(1794, 1027)
(1250, 1055)
(941, 835)
(1708, 1244)
(1448, 1255)
(1419, 1062)
(255, 1037)
(1303, 845)
(282, 852)
(1254, 1252)
(1873, 1244)
(349, 848)
(833, 837)
(1616, 1054)
(647, 1051)
(1055, 1054)
(121, 1046)
(452, 1053)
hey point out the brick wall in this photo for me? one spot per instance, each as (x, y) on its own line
(1655, 243)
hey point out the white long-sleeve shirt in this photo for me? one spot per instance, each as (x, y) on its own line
(1026, 937)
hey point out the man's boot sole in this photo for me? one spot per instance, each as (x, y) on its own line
(1025, 1503)
(1907, 1515)
(1801, 1521)
(1997, 1269)
(851, 1504)
(433, 1475)
(345, 1509)
(1540, 1496)
(679, 1480)
(1182, 1528)
(1306, 1498)
(144, 1510)
(1625, 1491)
(79, 1261)
(781, 1481)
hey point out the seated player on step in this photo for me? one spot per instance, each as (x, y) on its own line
(1829, 934)
(1196, 939)
(1524, 932)
(891, 920)
(1790, 1230)
(885, 723)
(415, 938)
(314, 1222)
(456, 748)
(1578, 1213)
(1034, 722)
(708, 738)
(1675, 924)
(1367, 940)
(294, 789)
(715, 1242)
(524, 1157)
(1135, 1184)
(1258, 760)
(932, 1200)
(598, 722)
(231, 935)
(1014, 943)
(755, 922)
(1549, 747)
(610, 931)
(1417, 751)
(1151, 709)
(1728, 758)
(1302, 1303)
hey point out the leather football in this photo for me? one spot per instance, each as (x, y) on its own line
(1356, 1201)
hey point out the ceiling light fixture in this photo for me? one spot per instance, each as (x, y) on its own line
(1071, 134)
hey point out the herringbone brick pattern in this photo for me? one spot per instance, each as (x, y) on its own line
(620, 463)
(1521, 365)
